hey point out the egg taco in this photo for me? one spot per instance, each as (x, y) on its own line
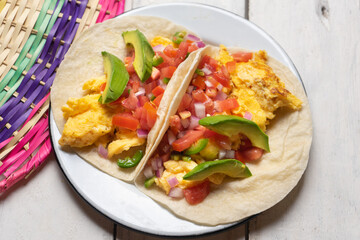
(221, 154)
(114, 87)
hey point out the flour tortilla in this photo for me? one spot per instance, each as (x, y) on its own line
(84, 61)
(274, 176)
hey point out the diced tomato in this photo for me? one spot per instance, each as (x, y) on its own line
(151, 114)
(193, 47)
(182, 51)
(125, 120)
(149, 87)
(250, 154)
(187, 140)
(167, 72)
(175, 124)
(143, 119)
(102, 87)
(185, 102)
(134, 83)
(221, 140)
(143, 100)
(130, 68)
(155, 74)
(245, 143)
(170, 51)
(222, 79)
(157, 91)
(168, 61)
(231, 66)
(199, 82)
(137, 113)
(211, 62)
(225, 71)
(226, 105)
(157, 100)
(198, 193)
(211, 92)
(128, 60)
(209, 107)
(199, 96)
(212, 81)
(242, 56)
(131, 102)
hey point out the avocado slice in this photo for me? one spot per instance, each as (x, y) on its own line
(144, 53)
(230, 167)
(117, 78)
(197, 147)
(230, 125)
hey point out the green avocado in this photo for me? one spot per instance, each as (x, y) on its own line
(144, 53)
(197, 147)
(230, 167)
(116, 78)
(229, 125)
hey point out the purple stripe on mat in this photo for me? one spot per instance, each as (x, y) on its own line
(15, 108)
(52, 53)
(61, 30)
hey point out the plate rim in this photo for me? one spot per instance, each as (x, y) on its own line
(206, 232)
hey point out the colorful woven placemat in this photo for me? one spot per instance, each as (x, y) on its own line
(34, 37)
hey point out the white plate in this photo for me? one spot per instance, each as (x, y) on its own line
(122, 202)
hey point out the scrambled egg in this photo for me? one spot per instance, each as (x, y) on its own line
(86, 121)
(257, 89)
(125, 140)
(161, 40)
(90, 122)
(177, 169)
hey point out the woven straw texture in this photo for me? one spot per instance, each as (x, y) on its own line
(34, 37)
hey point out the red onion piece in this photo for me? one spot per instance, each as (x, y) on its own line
(206, 70)
(222, 153)
(158, 48)
(190, 89)
(185, 122)
(181, 134)
(172, 181)
(248, 115)
(159, 172)
(166, 148)
(141, 133)
(148, 172)
(140, 92)
(219, 87)
(102, 151)
(154, 164)
(220, 96)
(200, 44)
(171, 137)
(208, 83)
(194, 122)
(230, 154)
(199, 110)
(193, 38)
(176, 193)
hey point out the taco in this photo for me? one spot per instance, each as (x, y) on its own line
(109, 98)
(224, 156)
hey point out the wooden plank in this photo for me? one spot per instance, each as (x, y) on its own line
(234, 234)
(322, 38)
(46, 207)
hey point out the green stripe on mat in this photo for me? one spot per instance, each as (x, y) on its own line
(33, 46)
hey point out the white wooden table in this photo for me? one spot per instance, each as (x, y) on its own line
(322, 37)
